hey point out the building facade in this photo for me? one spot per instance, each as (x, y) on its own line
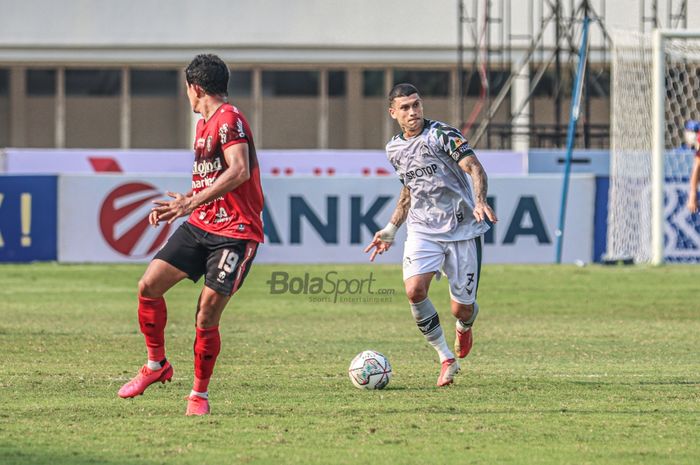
(308, 73)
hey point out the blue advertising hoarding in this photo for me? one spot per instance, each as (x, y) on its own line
(28, 225)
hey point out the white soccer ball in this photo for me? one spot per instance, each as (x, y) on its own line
(370, 370)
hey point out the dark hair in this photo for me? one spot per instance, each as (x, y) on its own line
(208, 72)
(402, 90)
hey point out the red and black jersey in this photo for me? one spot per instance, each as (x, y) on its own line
(237, 213)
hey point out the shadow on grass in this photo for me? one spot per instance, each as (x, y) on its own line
(15, 456)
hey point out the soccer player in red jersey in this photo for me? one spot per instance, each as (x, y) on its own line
(219, 240)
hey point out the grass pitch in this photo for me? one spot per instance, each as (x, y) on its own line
(588, 365)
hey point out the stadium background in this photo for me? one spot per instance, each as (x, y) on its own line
(88, 89)
(587, 365)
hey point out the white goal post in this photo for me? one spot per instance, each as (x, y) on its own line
(655, 90)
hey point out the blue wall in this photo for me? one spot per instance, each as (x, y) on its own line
(28, 210)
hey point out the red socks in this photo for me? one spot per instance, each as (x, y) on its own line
(153, 315)
(207, 346)
(152, 318)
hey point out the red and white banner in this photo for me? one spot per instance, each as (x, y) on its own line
(105, 218)
(278, 163)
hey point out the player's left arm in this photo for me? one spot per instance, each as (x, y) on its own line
(236, 173)
(455, 145)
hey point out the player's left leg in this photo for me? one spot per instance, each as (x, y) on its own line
(463, 268)
(465, 314)
(428, 323)
(227, 266)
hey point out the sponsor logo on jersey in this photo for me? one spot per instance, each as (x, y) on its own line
(427, 170)
(204, 167)
(209, 144)
(223, 133)
(221, 216)
(200, 143)
(463, 148)
(124, 220)
(239, 127)
(202, 183)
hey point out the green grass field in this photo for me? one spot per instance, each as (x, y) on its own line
(595, 365)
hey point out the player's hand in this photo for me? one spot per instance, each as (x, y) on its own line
(170, 210)
(379, 245)
(482, 210)
(382, 240)
(153, 219)
(693, 203)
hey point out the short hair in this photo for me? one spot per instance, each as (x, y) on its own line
(208, 72)
(402, 90)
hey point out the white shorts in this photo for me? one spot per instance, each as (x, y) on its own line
(459, 261)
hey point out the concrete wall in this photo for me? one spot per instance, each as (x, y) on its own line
(274, 30)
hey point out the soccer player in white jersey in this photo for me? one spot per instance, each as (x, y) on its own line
(445, 217)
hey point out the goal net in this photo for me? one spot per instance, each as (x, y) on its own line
(655, 91)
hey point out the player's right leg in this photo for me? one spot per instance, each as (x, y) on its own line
(422, 260)
(174, 262)
(152, 312)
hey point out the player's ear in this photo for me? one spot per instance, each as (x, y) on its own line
(392, 112)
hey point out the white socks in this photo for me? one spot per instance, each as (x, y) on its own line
(428, 323)
(203, 395)
(153, 365)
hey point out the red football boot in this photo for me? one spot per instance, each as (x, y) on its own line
(197, 405)
(145, 378)
(463, 342)
(450, 368)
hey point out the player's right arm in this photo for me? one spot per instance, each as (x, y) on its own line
(693, 191)
(384, 238)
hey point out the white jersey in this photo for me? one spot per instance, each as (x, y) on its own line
(442, 201)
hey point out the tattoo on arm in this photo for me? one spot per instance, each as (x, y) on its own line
(480, 182)
(402, 207)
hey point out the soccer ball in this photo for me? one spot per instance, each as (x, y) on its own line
(370, 370)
